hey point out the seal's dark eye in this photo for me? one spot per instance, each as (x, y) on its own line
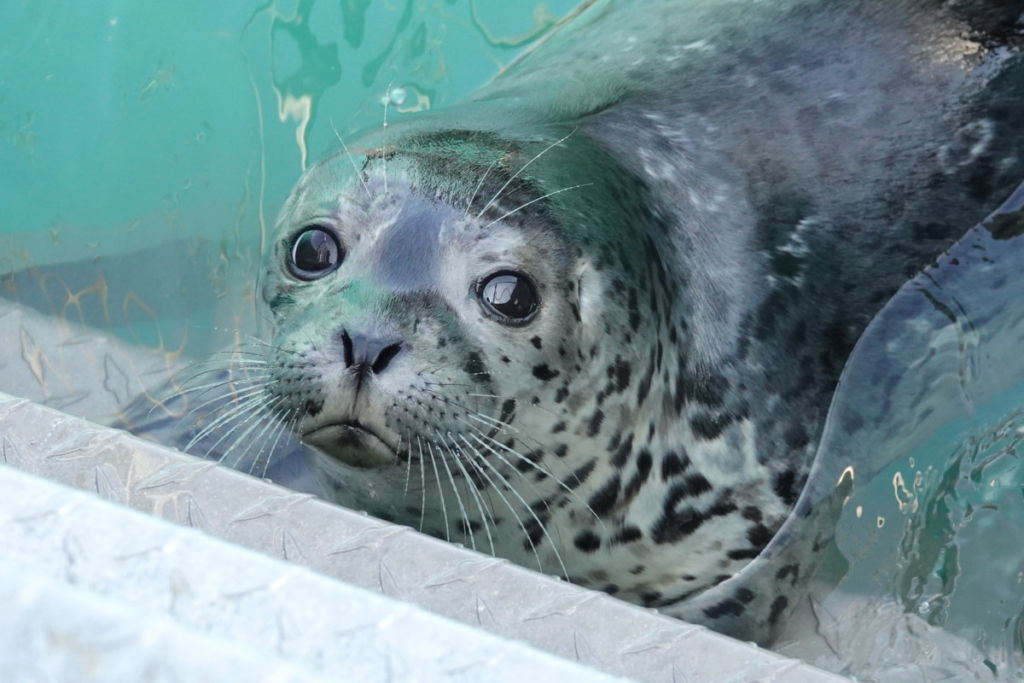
(509, 297)
(315, 253)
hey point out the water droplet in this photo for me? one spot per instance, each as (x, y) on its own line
(394, 97)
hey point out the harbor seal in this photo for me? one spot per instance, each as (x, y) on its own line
(591, 319)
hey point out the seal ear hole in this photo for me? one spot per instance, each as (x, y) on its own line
(314, 253)
(508, 297)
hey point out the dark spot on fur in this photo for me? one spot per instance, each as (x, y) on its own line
(594, 425)
(528, 462)
(587, 541)
(672, 465)
(475, 368)
(722, 507)
(779, 605)
(650, 597)
(536, 342)
(674, 525)
(759, 536)
(534, 531)
(789, 570)
(580, 475)
(604, 499)
(561, 394)
(796, 437)
(730, 607)
(634, 310)
(622, 453)
(785, 487)
(643, 469)
(709, 427)
(620, 372)
(508, 409)
(627, 534)
(752, 513)
(544, 373)
(468, 526)
(693, 485)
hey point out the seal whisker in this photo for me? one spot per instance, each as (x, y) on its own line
(534, 201)
(479, 184)
(235, 352)
(263, 411)
(408, 463)
(529, 508)
(284, 422)
(558, 480)
(185, 391)
(466, 530)
(523, 168)
(519, 404)
(440, 493)
(423, 483)
(497, 489)
(219, 368)
(183, 387)
(269, 422)
(253, 339)
(230, 395)
(351, 159)
(241, 413)
(487, 511)
(384, 138)
(498, 426)
(472, 489)
(241, 407)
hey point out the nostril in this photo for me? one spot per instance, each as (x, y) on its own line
(346, 343)
(385, 356)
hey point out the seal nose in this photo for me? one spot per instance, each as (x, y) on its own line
(368, 353)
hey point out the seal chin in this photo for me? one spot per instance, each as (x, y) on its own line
(353, 444)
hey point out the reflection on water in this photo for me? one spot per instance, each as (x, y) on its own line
(927, 578)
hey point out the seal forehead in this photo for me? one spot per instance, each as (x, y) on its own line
(406, 255)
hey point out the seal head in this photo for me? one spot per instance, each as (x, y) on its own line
(552, 387)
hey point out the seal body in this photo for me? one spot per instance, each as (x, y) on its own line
(591, 320)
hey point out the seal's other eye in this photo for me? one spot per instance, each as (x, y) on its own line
(315, 252)
(509, 297)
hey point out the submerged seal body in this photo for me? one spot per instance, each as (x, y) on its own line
(591, 319)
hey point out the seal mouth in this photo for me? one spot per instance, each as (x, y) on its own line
(353, 443)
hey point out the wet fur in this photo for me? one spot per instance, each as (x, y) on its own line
(714, 205)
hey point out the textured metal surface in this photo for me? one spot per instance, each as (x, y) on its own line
(494, 595)
(94, 591)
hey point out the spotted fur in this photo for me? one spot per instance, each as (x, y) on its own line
(709, 229)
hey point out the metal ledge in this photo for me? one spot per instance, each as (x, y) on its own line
(493, 595)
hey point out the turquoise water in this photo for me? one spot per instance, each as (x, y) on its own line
(126, 125)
